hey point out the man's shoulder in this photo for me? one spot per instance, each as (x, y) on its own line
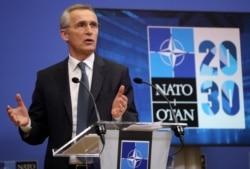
(109, 63)
(57, 66)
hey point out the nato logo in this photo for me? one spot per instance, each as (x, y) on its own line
(171, 52)
(18, 165)
(194, 68)
(134, 155)
(173, 71)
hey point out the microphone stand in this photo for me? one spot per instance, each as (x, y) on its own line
(178, 130)
(100, 128)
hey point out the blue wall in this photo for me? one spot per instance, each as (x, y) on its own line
(29, 41)
(227, 157)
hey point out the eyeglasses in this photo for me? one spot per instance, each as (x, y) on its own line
(83, 25)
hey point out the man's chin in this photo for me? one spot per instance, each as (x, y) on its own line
(89, 48)
(88, 51)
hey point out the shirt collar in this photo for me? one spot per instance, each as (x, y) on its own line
(89, 61)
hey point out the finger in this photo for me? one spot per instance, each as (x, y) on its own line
(11, 114)
(8, 109)
(123, 106)
(19, 100)
(124, 101)
(120, 91)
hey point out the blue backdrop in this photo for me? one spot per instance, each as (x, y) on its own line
(30, 41)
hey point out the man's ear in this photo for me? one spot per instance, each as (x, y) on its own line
(64, 34)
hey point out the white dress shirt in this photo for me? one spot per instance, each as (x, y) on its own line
(75, 71)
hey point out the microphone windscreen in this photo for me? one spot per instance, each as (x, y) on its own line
(75, 80)
(138, 80)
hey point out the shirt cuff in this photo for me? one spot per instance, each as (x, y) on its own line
(118, 119)
(26, 129)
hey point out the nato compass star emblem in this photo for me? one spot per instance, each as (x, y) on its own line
(172, 53)
(134, 158)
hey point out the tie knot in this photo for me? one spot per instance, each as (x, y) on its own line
(81, 65)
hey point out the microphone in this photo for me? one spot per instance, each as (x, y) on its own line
(100, 128)
(178, 130)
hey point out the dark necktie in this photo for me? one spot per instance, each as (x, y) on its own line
(83, 101)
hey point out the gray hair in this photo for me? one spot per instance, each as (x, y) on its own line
(64, 19)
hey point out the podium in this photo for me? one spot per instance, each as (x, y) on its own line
(127, 145)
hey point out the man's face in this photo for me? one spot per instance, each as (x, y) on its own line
(82, 32)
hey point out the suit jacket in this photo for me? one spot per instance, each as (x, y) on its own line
(51, 113)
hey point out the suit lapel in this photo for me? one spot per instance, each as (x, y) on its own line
(62, 79)
(98, 76)
(97, 79)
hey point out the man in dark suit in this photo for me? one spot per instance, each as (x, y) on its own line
(52, 113)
